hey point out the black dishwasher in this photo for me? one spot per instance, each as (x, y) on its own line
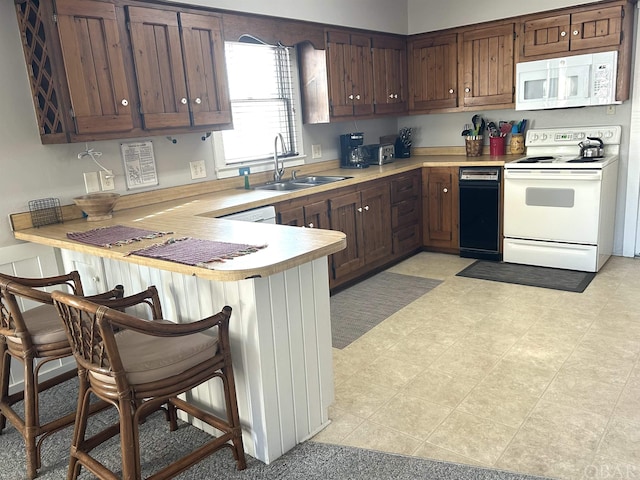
(480, 212)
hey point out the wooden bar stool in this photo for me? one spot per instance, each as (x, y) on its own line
(140, 365)
(34, 337)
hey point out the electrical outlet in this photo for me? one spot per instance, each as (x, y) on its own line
(316, 151)
(91, 182)
(107, 180)
(244, 171)
(198, 170)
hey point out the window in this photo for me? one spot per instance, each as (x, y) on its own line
(263, 105)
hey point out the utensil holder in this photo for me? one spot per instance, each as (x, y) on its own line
(517, 143)
(474, 146)
(496, 146)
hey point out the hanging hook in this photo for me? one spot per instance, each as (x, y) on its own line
(205, 136)
(172, 140)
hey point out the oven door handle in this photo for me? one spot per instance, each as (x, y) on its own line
(553, 174)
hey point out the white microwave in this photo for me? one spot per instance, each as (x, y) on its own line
(576, 81)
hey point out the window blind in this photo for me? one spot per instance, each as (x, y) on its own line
(262, 102)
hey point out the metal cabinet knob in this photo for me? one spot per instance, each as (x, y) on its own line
(395, 95)
(198, 101)
(311, 225)
(366, 207)
(576, 32)
(445, 190)
(451, 90)
(563, 34)
(358, 97)
(467, 90)
(360, 209)
(391, 95)
(351, 97)
(183, 101)
(124, 102)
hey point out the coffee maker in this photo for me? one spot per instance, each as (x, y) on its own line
(351, 154)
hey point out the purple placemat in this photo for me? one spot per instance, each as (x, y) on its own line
(196, 252)
(114, 236)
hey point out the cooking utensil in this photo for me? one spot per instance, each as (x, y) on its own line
(493, 130)
(505, 128)
(477, 123)
(592, 147)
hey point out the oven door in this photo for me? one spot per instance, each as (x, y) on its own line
(558, 205)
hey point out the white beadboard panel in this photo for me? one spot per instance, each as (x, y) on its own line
(32, 260)
(280, 339)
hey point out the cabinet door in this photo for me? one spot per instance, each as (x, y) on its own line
(157, 53)
(376, 223)
(441, 207)
(487, 66)
(205, 69)
(339, 72)
(346, 217)
(389, 56)
(596, 28)
(94, 64)
(362, 75)
(291, 216)
(546, 35)
(316, 215)
(433, 72)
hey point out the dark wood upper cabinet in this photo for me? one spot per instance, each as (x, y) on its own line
(93, 56)
(433, 72)
(389, 57)
(179, 61)
(575, 32)
(487, 66)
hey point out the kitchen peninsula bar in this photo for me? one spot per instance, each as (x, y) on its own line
(280, 325)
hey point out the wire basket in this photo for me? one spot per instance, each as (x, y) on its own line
(45, 211)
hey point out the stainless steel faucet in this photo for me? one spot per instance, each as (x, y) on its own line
(278, 172)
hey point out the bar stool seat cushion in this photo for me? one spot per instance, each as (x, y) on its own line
(147, 358)
(44, 325)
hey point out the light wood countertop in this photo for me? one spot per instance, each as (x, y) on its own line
(191, 212)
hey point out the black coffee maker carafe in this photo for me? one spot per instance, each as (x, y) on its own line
(351, 153)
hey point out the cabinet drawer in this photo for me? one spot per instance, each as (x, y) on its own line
(404, 188)
(406, 239)
(405, 212)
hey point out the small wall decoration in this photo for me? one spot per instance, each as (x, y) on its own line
(139, 164)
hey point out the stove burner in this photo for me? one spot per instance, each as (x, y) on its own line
(536, 159)
(584, 159)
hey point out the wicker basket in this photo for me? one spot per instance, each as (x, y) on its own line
(474, 146)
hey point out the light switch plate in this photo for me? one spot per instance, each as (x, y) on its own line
(198, 170)
(316, 151)
(107, 180)
(91, 182)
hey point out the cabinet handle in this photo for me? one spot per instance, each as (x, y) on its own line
(366, 207)
(198, 101)
(351, 97)
(391, 95)
(124, 102)
(445, 190)
(451, 90)
(183, 101)
(358, 97)
(311, 225)
(563, 34)
(576, 32)
(395, 95)
(467, 90)
(360, 209)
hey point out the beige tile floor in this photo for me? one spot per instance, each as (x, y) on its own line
(517, 378)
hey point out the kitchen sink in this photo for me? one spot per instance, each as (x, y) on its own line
(317, 180)
(299, 183)
(280, 186)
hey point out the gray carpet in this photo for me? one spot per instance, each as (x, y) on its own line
(307, 461)
(357, 309)
(544, 277)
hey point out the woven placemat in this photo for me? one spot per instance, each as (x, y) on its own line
(115, 235)
(195, 251)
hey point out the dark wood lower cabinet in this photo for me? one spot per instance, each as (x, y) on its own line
(440, 208)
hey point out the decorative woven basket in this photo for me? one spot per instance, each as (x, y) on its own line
(474, 146)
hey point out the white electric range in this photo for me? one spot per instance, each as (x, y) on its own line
(559, 208)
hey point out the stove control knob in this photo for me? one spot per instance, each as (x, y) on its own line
(544, 137)
(534, 137)
(608, 134)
